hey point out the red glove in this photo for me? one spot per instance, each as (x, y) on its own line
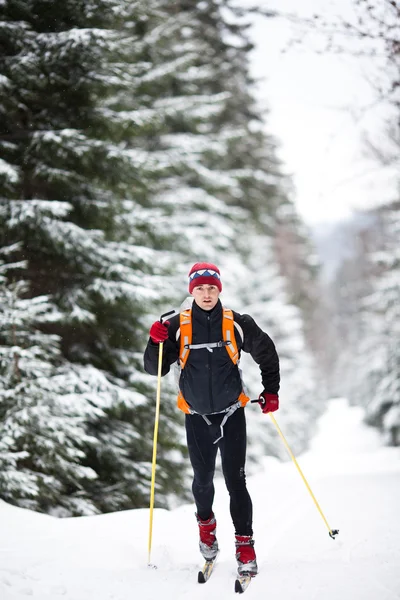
(159, 331)
(268, 402)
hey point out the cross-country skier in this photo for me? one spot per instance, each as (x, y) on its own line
(206, 341)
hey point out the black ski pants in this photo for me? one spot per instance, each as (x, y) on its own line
(202, 452)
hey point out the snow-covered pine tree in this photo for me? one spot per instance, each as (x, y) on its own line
(381, 374)
(42, 420)
(221, 183)
(267, 300)
(64, 172)
(205, 133)
(366, 291)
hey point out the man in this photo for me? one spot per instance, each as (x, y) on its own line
(206, 341)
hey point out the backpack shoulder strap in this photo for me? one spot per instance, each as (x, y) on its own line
(185, 331)
(228, 332)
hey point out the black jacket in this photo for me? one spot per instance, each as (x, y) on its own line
(210, 382)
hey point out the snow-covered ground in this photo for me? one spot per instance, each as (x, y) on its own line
(355, 480)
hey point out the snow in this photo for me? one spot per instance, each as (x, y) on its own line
(8, 170)
(355, 479)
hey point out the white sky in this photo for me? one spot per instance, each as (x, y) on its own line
(355, 479)
(317, 111)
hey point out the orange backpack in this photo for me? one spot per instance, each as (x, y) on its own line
(228, 341)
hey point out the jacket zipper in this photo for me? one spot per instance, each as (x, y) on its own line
(209, 363)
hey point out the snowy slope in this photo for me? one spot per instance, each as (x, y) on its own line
(355, 480)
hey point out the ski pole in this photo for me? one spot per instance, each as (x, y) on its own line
(156, 421)
(332, 532)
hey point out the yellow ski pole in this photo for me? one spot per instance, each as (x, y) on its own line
(332, 532)
(156, 422)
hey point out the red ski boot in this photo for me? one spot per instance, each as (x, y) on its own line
(208, 542)
(245, 555)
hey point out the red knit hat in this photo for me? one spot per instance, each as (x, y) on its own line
(204, 273)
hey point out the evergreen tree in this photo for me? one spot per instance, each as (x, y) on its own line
(382, 372)
(222, 184)
(42, 426)
(65, 172)
(367, 288)
(264, 296)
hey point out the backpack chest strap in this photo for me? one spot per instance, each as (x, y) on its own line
(209, 345)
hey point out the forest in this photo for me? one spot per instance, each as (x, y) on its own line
(132, 146)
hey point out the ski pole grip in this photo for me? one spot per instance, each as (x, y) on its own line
(261, 402)
(171, 312)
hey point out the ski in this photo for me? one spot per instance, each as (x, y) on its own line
(242, 582)
(205, 574)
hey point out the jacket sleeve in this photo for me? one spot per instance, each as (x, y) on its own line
(262, 350)
(170, 351)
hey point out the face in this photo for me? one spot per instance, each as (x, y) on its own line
(206, 296)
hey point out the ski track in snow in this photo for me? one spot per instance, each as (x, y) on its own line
(356, 482)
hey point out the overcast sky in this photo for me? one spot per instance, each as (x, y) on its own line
(318, 111)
